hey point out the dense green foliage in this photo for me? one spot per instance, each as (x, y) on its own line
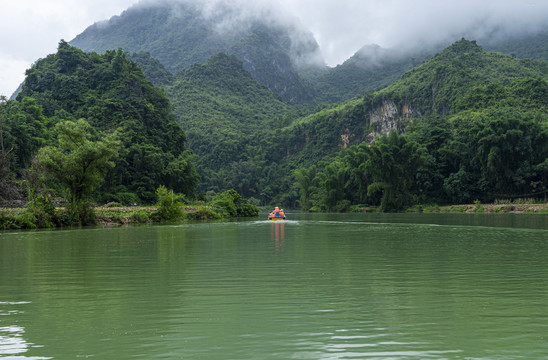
(461, 79)
(230, 203)
(110, 92)
(371, 68)
(439, 85)
(23, 130)
(225, 113)
(169, 205)
(79, 162)
(153, 69)
(280, 55)
(480, 132)
(466, 125)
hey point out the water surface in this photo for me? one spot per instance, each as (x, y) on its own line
(406, 286)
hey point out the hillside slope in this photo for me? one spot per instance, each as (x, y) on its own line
(475, 125)
(221, 107)
(441, 86)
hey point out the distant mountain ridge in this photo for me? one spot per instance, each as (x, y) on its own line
(273, 47)
(180, 34)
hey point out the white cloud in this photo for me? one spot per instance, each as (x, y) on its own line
(32, 29)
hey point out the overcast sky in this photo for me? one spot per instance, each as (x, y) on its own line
(31, 29)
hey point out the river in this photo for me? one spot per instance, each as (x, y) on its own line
(318, 286)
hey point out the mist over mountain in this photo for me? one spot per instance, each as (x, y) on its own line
(273, 48)
(280, 53)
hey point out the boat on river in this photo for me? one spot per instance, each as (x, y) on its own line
(276, 214)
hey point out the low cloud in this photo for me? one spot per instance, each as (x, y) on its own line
(343, 27)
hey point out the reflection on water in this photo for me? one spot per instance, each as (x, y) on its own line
(277, 234)
(12, 342)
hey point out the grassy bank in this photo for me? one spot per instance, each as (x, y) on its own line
(40, 211)
(478, 208)
(21, 218)
(518, 206)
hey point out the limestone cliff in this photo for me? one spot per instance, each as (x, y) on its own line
(388, 116)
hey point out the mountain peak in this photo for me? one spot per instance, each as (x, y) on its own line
(181, 33)
(462, 47)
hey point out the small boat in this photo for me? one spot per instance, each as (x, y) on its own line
(276, 215)
(274, 218)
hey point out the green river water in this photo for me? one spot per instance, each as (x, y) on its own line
(320, 286)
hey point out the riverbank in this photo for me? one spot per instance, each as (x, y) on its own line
(479, 208)
(21, 218)
(42, 212)
(121, 216)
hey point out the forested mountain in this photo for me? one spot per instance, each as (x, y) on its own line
(224, 110)
(459, 80)
(370, 68)
(441, 86)
(278, 53)
(112, 95)
(476, 124)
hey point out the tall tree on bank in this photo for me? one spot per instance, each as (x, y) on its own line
(79, 161)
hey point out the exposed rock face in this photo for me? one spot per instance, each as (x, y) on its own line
(388, 117)
(345, 138)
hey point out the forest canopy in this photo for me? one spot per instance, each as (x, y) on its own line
(110, 93)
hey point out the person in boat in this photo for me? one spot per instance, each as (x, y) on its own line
(276, 213)
(282, 213)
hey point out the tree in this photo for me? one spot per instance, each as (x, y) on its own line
(231, 204)
(334, 182)
(393, 164)
(111, 92)
(79, 161)
(307, 183)
(169, 205)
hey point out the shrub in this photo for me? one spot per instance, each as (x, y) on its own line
(231, 204)
(204, 213)
(113, 204)
(169, 205)
(127, 198)
(79, 213)
(140, 217)
(41, 210)
(13, 221)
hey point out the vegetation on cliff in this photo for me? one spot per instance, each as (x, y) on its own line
(478, 131)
